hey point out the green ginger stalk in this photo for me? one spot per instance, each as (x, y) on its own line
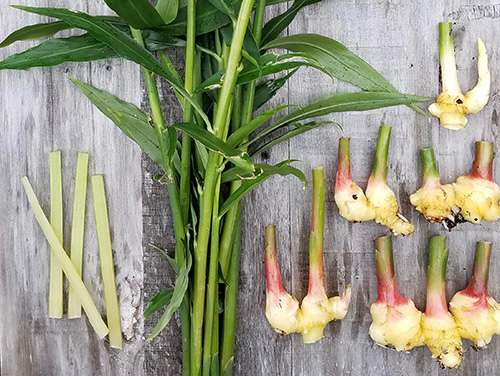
(381, 197)
(477, 315)
(439, 330)
(395, 319)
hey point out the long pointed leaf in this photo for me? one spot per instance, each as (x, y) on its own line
(237, 157)
(126, 116)
(158, 301)
(282, 168)
(292, 130)
(276, 25)
(361, 101)
(139, 14)
(35, 31)
(57, 51)
(237, 137)
(119, 41)
(180, 288)
(268, 89)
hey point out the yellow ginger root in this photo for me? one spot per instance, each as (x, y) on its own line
(395, 319)
(379, 203)
(452, 105)
(439, 330)
(316, 310)
(476, 314)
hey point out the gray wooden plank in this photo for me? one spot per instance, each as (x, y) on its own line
(42, 111)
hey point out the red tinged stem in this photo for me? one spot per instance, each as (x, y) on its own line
(274, 280)
(316, 237)
(343, 176)
(478, 282)
(436, 277)
(387, 285)
(482, 167)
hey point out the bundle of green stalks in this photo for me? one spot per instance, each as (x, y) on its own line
(231, 70)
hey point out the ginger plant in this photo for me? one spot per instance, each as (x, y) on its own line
(395, 319)
(379, 203)
(452, 106)
(439, 329)
(317, 310)
(477, 315)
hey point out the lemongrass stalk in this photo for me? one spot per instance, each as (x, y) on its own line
(56, 279)
(78, 229)
(230, 302)
(212, 287)
(436, 277)
(211, 177)
(430, 171)
(380, 164)
(175, 206)
(189, 60)
(107, 265)
(449, 77)
(65, 263)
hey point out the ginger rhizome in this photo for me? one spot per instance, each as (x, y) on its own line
(477, 315)
(395, 319)
(379, 203)
(472, 198)
(452, 106)
(439, 329)
(316, 310)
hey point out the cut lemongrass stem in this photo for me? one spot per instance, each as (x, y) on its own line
(106, 258)
(387, 286)
(436, 277)
(482, 166)
(78, 229)
(69, 270)
(56, 279)
(343, 176)
(478, 283)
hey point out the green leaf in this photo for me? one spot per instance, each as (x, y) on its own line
(334, 59)
(167, 9)
(225, 6)
(139, 14)
(120, 42)
(267, 89)
(158, 301)
(268, 65)
(266, 171)
(126, 116)
(291, 131)
(237, 157)
(180, 288)
(241, 133)
(35, 31)
(276, 25)
(57, 51)
(361, 101)
(156, 40)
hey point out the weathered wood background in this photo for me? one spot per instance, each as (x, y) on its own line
(41, 111)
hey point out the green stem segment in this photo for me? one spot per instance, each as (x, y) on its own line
(316, 237)
(478, 283)
(436, 277)
(56, 280)
(387, 286)
(189, 74)
(482, 166)
(78, 228)
(211, 178)
(174, 200)
(429, 167)
(380, 164)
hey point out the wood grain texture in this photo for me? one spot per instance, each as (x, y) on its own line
(41, 111)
